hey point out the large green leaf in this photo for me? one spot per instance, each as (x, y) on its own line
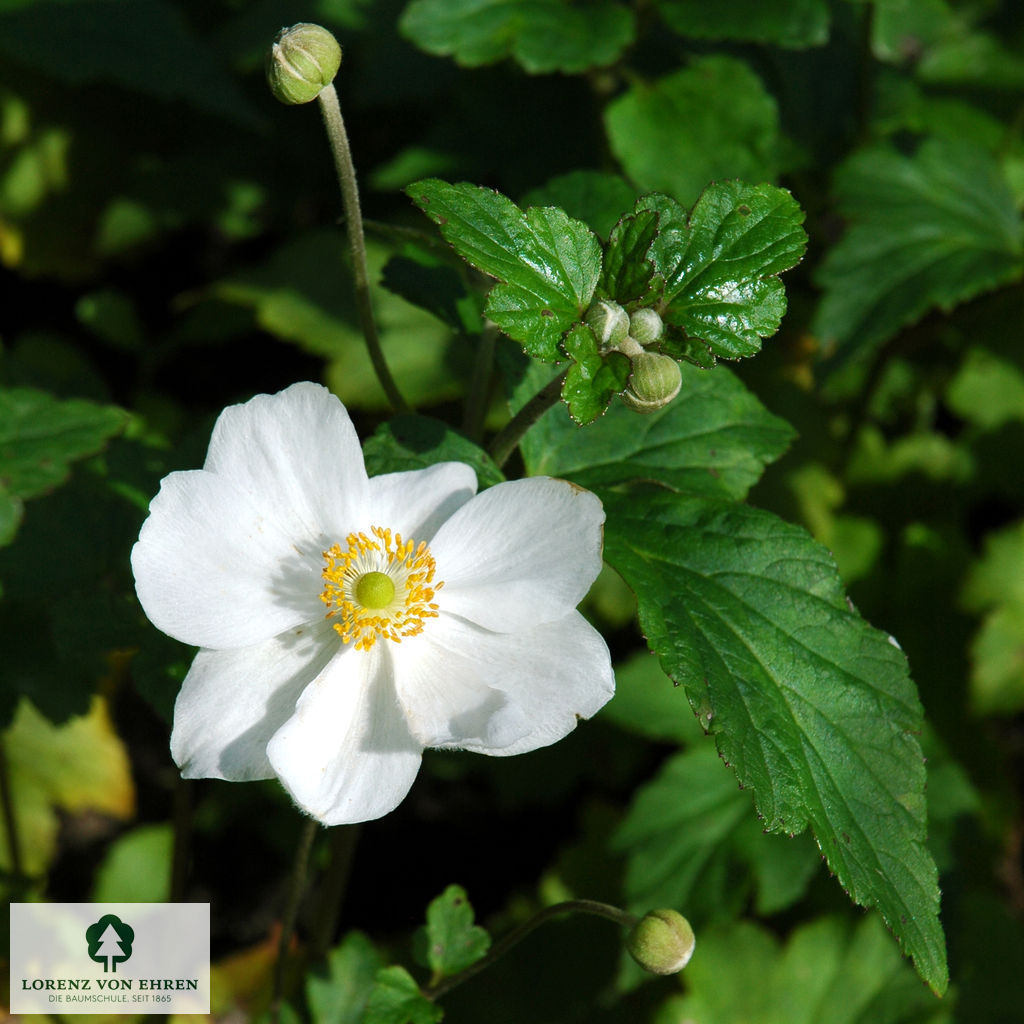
(691, 842)
(711, 120)
(338, 991)
(811, 705)
(714, 439)
(829, 970)
(795, 23)
(720, 264)
(542, 35)
(547, 263)
(925, 231)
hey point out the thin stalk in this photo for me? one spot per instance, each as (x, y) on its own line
(514, 937)
(504, 444)
(330, 109)
(291, 912)
(480, 385)
(343, 841)
(10, 820)
(183, 802)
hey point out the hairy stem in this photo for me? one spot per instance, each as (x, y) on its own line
(514, 937)
(330, 108)
(480, 385)
(343, 840)
(504, 444)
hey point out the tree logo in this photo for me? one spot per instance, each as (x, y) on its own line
(110, 941)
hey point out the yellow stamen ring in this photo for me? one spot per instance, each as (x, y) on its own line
(382, 586)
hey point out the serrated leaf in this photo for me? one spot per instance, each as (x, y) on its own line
(453, 941)
(712, 120)
(396, 999)
(715, 438)
(925, 231)
(627, 272)
(547, 264)
(720, 264)
(812, 707)
(594, 378)
(338, 993)
(542, 35)
(792, 23)
(829, 970)
(594, 197)
(41, 435)
(415, 442)
(691, 841)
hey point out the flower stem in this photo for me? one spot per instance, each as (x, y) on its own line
(514, 937)
(343, 840)
(480, 385)
(512, 433)
(183, 792)
(10, 821)
(291, 912)
(330, 109)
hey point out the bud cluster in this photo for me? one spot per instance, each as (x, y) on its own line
(655, 378)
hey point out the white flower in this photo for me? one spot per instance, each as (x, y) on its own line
(450, 617)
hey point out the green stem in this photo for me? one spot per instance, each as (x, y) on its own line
(183, 793)
(504, 444)
(291, 912)
(480, 385)
(10, 821)
(499, 949)
(330, 108)
(343, 840)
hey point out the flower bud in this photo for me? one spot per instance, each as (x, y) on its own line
(609, 321)
(302, 61)
(646, 326)
(654, 382)
(661, 942)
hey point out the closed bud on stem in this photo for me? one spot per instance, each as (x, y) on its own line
(654, 382)
(609, 322)
(661, 942)
(302, 61)
(646, 326)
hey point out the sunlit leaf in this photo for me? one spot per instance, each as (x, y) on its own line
(339, 991)
(396, 999)
(594, 378)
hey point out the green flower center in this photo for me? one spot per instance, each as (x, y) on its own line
(375, 590)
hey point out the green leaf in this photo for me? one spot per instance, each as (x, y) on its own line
(548, 264)
(542, 35)
(720, 264)
(691, 842)
(593, 378)
(594, 197)
(396, 999)
(41, 435)
(793, 23)
(987, 390)
(415, 442)
(811, 706)
(714, 439)
(136, 867)
(453, 941)
(711, 120)
(925, 231)
(339, 994)
(437, 289)
(829, 970)
(627, 272)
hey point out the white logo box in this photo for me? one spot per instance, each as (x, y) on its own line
(110, 958)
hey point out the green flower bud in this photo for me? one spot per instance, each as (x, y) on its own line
(646, 326)
(303, 60)
(609, 321)
(661, 942)
(654, 382)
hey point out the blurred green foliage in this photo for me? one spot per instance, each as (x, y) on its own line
(168, 246)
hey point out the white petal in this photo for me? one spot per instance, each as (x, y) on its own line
(232, 702)
(415, 503)
(211, 569)
(297, 455)
(347, 755)
(519, 554)
(453, 676)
